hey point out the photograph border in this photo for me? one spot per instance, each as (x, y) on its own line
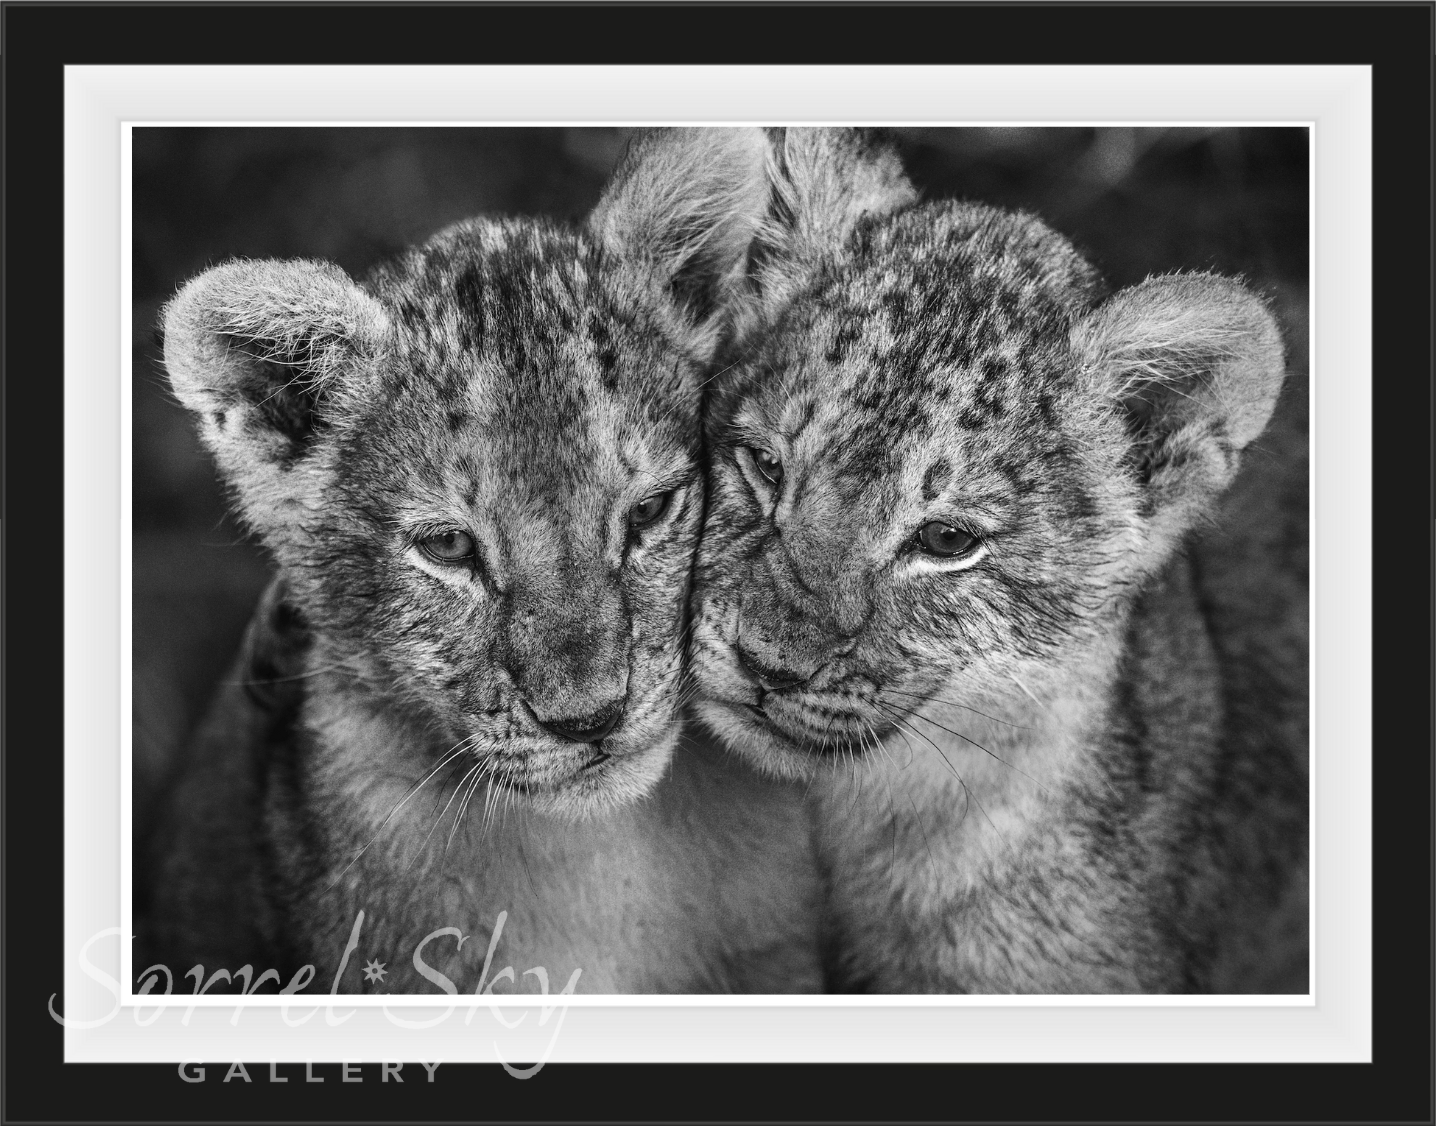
(127, 969)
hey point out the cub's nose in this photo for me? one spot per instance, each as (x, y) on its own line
(772, 677)
(584, 729)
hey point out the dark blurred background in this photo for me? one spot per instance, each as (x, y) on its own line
(1135, 201)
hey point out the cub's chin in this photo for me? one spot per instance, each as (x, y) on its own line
(584, 780)
(749, 731)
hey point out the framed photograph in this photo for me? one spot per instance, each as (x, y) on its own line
(858, 572)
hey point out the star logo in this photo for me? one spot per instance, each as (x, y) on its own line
(374, 970)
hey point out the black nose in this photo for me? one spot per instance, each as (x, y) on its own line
(584, 729)
(769, 676)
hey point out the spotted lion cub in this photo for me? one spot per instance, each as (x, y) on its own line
(960, 570)
(451, 735)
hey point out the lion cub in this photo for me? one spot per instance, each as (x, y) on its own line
(454, 722)
(948, 573)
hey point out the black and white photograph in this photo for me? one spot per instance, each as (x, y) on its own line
(769, 559)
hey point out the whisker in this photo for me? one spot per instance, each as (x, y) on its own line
(256, 681)
(980, 747)
(1030, 696)
(744, 356)
(892, 813)
(456, 751)
(955, 704)
(927, 842)
(463, 808)
(966, 789)
(425, 843)
(495, 796)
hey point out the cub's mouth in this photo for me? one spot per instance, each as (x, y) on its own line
(573, 780)
(619, 748)
(814, 726)
(548, 770)
(540, 771)
(791, 738)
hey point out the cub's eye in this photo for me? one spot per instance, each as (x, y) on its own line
(452, 546)
(647, 511)
(768, 465)
(937, 538)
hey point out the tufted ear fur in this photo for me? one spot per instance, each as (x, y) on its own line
(1194, 363)
(822, 183)
(683, 206)
(259, 350)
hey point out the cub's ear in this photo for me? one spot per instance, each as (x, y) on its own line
(683, 207)
(1194, 364)
(825, 180)
(822, 183)
(259, 350)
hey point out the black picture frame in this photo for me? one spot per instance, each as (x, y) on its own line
(1396, 40)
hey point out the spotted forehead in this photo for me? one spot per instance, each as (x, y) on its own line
(528, 325)
(929, 356)
(522, 363)
(529, 332)
(884, 370)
